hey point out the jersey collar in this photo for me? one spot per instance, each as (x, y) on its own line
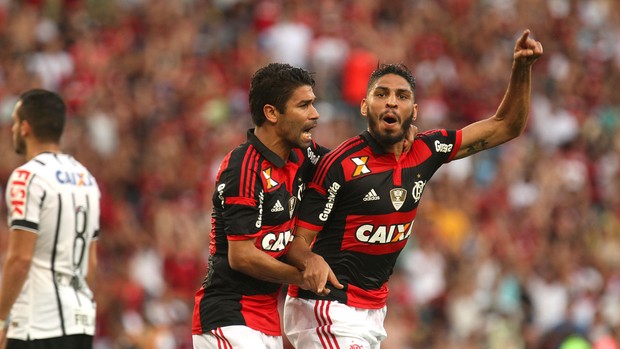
(372, 142)
(267, 153)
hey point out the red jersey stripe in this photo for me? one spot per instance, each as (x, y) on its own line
(457, 144)
(240, 201)
(328, 329)
(261, 312)
(331, 157)
(317, 187)
(196, 324)
(321, 312)
(310, 226)
(223, 166)
(222, 341)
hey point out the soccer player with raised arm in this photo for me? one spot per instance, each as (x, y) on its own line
(360, 206)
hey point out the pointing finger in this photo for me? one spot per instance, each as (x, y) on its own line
(522, 42)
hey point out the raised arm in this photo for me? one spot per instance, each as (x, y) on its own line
(511, 117)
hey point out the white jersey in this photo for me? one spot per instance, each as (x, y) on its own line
(55, 197)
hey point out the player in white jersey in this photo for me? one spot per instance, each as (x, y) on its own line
(53, 215)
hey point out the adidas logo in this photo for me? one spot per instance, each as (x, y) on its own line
(372, 196)
(277, 207)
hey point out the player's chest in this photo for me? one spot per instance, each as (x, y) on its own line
(383, 192)
(282, 192)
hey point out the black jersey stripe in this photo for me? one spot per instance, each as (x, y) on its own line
(254, 169)
(53, 267)
(244, 174)
(24, 224)
(246, 185)
(43, 199)
(331, 157)
(77, 296)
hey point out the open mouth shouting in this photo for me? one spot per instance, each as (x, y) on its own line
(306, 135)
(390, 120)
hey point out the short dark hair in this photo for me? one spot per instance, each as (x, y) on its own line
(45, 112)
(274, 84)
(397, 69)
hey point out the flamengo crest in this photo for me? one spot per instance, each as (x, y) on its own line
(418, 188)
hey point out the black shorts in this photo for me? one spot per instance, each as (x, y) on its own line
(78, 341)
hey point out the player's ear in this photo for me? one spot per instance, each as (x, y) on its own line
(271, 113)
(24, 128)
(415, 111)
(364, 107)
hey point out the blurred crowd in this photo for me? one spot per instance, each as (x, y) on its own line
(516, 247)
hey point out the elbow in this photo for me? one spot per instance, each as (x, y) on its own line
(514, 129)
(19, 264)
(238, 263)
(518, 130)
(514, 133)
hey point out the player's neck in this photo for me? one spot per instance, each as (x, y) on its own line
(36, 148)
(271, 140)
(396, 149)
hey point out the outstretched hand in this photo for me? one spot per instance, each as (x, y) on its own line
(527, 50)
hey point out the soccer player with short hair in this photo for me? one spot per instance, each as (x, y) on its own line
(258, 189)
(53, 216)
(360, 206)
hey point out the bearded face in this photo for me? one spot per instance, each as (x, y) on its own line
(388, 136)
(390, 109)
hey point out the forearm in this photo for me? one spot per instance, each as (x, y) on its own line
(91, 277)
(261, 266)
(299, 252)
(514, 108)
(14, 275)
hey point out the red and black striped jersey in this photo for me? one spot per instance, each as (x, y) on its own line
(256, 196)
(363, 202)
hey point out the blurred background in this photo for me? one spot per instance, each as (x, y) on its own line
(516, 247)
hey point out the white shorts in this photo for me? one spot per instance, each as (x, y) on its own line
(236, 337)
(321, 324)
